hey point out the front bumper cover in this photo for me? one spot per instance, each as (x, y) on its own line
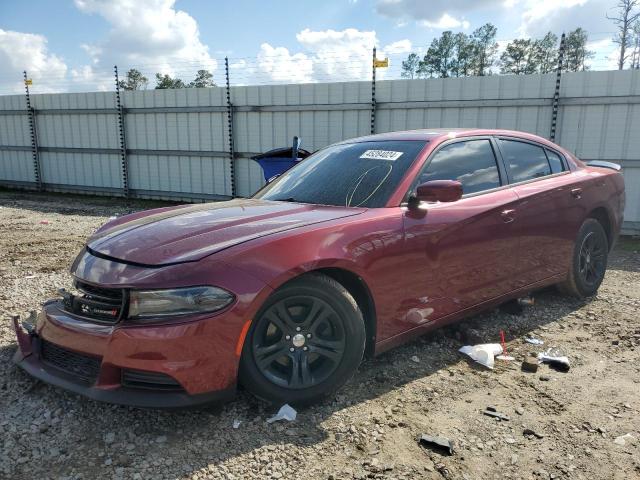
(28, 358)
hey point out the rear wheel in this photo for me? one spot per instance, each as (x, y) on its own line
(305, 342)
(589, 262)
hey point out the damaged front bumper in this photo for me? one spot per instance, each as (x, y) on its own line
(101, 370)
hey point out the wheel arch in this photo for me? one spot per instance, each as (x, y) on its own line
(359, 290)
(604, 218)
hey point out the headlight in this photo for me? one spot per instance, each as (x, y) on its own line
(146, 304)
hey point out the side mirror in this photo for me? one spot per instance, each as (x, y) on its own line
(438, 191)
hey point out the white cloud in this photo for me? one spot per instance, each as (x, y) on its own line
(85, 78)
(28, 51)
(606, 55)
(440, 14)
(541, 16)
(344, 55)
(281, 66)
(401, 46)
(151, 35)
(329, 54)
(446, 22)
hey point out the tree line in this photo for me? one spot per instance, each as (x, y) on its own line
(462, 55)
(135, 80)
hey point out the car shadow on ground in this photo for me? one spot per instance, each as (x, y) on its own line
(206, 436)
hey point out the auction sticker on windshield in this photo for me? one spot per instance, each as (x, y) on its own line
(381, 155)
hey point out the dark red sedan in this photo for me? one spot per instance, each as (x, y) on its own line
(362, 246)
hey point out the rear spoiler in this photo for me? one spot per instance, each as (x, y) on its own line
(603, 164)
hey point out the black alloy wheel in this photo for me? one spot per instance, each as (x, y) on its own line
(298, 342)
(592, 258)
(306, 341)
(589, 260)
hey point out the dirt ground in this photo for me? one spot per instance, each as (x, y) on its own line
(370, 428)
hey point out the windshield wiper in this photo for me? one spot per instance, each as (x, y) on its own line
(288, 199)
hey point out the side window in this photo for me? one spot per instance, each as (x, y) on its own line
(472, 163)
(555, 161)
(524, 160)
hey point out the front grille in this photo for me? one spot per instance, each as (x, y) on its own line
(149, 380)
(103, 305)
(81, 366)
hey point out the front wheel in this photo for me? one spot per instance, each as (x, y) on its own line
(589, 262)
(306, 341)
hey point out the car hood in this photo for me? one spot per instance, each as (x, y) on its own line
(185, 234)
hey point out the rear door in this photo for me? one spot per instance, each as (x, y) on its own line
(458, 254)
(546, 208)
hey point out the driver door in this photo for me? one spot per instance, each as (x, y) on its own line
(462, 253)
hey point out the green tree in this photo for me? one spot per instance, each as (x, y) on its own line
(204, 79)
(464, 53)
(165, 82)
(410, 66)
(546, 52)
(134, 80)
(484, 48)
(439, 59)
(519, 58)
(576, 53)
(627, 15)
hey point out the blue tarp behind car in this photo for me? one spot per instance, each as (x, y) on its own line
(279, 160)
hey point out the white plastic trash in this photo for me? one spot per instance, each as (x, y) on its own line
(286, 412)
(484, 354)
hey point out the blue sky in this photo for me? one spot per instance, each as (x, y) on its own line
(72, 44)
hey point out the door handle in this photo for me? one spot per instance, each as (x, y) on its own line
(508, 215)
(576, 192)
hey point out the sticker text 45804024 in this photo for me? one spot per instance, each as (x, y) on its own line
(381, 155)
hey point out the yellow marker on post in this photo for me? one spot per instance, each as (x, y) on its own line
(383, 63)
(28, 81)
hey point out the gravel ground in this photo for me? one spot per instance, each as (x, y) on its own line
(369, 429)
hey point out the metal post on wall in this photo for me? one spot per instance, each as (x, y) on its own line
(373, 92)
(123, 142)
(556, 95)
(34, 134)
(232, 153)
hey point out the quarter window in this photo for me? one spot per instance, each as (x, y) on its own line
(524, 160)
(555, 161)
(471, 162)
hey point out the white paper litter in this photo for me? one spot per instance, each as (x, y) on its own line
(286, 412)
(545, 358)
(506, 358)
(236, 423)
(534, 341)
(483, 354)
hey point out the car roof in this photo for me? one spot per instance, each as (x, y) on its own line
(430, 134)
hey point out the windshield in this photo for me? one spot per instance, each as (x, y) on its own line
(352, 175)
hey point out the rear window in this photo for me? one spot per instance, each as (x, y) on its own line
(354, 174)
(524, 160)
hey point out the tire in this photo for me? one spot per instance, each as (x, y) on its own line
(304, 343)
(589, 261)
